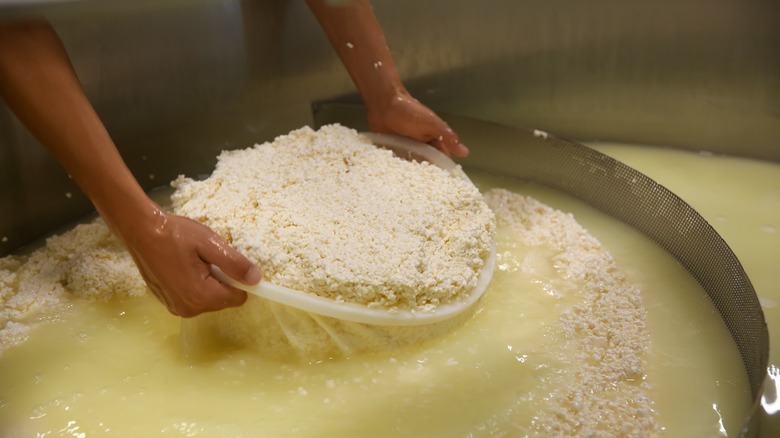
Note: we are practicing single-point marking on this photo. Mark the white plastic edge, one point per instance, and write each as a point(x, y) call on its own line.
point(360, 313)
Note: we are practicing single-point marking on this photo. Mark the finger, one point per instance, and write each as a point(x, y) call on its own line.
point(214, 296)
point(447, 141)
point(215, 251)
point(450, 148)
point(208, 295)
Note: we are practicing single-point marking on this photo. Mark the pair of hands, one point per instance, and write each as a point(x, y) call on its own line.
point(174, 254)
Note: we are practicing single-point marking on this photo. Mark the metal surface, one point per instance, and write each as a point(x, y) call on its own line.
point(627, 195)
point(177, 81)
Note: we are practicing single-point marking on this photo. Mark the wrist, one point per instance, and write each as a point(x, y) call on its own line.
point(130, 213)
point(381, 100)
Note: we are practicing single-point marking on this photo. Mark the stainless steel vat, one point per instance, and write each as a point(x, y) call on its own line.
point(175, 82)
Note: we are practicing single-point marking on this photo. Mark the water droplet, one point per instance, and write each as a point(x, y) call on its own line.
point(767, 303)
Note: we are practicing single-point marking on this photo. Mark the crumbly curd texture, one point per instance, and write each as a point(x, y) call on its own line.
point(329, 213)
point(87, 263)
point(606, 393)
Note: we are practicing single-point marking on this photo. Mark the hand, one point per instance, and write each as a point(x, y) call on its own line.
point(357, 38)
point(405, 115)
point(174, 255)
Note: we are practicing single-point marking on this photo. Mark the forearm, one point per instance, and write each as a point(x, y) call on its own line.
point(173, 254)
point(358, 39)
point(39, 85)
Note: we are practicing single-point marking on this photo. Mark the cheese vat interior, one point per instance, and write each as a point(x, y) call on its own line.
point(175, 82)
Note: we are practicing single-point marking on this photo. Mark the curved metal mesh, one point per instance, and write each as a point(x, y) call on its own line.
point(627, 195)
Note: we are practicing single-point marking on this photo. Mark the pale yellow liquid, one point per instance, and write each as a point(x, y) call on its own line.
point(740, 198)
point(116, 369)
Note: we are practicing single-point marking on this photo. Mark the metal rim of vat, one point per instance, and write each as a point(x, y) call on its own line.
point(629, 196)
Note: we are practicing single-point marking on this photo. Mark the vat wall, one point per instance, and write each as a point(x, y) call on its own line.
point(176, 81)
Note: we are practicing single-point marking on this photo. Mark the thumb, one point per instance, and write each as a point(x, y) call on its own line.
point(216, 252)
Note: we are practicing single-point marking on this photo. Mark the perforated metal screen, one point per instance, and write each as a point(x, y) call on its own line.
point(625, 194)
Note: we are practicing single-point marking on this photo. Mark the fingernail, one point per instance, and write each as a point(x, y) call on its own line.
point(253, 275)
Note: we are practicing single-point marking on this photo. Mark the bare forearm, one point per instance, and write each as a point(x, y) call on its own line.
point(355, 34)
point(173, 254)
point(39, 85)
point(358, 39)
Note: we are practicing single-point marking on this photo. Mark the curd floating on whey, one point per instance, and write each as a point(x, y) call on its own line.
point(329, 213)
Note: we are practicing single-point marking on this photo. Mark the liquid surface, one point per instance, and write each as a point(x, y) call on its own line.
point(116, 368)
point(740, 198)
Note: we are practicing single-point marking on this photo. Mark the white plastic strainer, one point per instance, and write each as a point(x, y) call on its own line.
point(407, 149)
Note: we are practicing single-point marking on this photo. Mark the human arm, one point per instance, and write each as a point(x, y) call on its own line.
point(173, 253)
point(355, 34)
